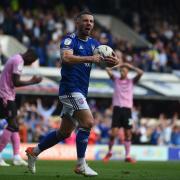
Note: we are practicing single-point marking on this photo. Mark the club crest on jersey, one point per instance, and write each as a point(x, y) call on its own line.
point(81, 101)
point(67, 41)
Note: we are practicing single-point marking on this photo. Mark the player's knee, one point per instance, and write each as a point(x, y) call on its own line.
point(69, 118)
point(89, 124)
point(13, 128)
point(113, 134)
point(12, 124)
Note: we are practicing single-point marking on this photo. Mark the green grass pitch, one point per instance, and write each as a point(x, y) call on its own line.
point(114, 170)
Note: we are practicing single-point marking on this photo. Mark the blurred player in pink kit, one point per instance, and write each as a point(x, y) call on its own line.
point(122, 104)
point(9, 79)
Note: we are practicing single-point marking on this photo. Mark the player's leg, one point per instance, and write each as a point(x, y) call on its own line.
point(4, 139)
point(17, 160)
point(116, 124)
point(54, 137)
point(127, 142)
point(48, 141)
point(86, 122)
point(113, 134)
point(127, 124)
point(3, 121)
point(3, 125)
point(13, 128)
point(3, 136)
point(127, 145)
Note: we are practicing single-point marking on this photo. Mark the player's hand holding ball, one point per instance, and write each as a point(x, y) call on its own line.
point(109, 58)
point(97, 58)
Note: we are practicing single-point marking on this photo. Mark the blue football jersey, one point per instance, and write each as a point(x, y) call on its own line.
point(75, 77)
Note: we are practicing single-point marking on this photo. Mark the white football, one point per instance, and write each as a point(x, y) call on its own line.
point(103, 50)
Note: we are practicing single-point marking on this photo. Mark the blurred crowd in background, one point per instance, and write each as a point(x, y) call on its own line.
point(43, 29)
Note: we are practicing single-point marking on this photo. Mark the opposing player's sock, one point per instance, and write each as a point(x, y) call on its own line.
point(15, 139)
point(81, 144)
point(109, 153)
point(4, 139)
point(110, 145)
point(49, 140)
point(127, 145)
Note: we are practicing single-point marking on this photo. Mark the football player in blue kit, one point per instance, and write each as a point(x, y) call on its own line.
point(77, 58)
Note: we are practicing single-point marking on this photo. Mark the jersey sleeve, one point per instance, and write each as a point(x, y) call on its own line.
point(67, 44)
point(17, 66)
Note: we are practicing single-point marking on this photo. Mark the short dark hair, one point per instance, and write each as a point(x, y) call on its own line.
point(83, 13)
point(31, 52)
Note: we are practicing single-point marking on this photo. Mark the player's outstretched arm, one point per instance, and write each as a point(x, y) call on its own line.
point(119, 65)
point(110, 73)
point(69, 58)
point(139, 74)
point(18, 82)
point(137, 70)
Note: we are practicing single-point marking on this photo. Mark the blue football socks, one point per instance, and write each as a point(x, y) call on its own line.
point(49, 140)
point(81, 142)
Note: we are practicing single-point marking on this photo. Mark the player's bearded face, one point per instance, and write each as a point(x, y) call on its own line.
point(86, 24)
point(124, 72)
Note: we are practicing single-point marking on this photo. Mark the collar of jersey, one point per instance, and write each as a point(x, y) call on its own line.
point(83, 39)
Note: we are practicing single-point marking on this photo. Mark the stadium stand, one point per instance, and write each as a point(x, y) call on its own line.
point(43, 28)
